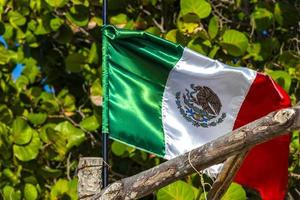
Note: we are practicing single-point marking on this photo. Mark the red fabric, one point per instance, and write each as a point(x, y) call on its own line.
point(266, 165)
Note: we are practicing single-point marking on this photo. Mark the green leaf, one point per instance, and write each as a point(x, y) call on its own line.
point(119, 20)
point(31, 25)
point(20, 34)
point(176, 36)
point(64, 189)
point(30, 192)
point(75, 62)
point(254, 51)
point(9, 193)
point(130, 24)
point(6, 114)
point(234, 42)
point(118, 148)
point(16, 19)
point(286, 14)
point(72, 191)
point(21, 83)
point(188, 24)
point(261, 51)
point(36, 5)
point(200, 7)
point(9, 31)
point(30, 151)
point(213, 27)
point(31, 70)
point(11, 176)
point(22, 133)
point(58, 142)
point(236, 192)
point(289, 59)
point(48, 172)
point(66, 100)
point(96, 20)
point(30, 179)
point(96, 89)
point(58, 189)
point(295, 142)
point(261, 18)
point(172, 36)
point(6, 55)
point(282, 78)
point(43, 25)
point(31, 39)
point(37, 118)
point(96, 93)
point(5, 142)
point(153, 30)
point(74, 136)
point(49, 105)
point(214, 51)
point(43, 131)
point(152, 2)
point(3, 129)
point(90, 123)
point(56, 23)
point(178, 190)
point(78, 15)
point(57, 3)
point(200, 46)
point(93, 54)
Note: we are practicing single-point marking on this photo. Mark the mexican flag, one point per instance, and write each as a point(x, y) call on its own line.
point(166, 99)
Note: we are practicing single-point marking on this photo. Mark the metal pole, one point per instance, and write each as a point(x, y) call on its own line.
point(104, 12)
point(105, 141)
point(105, 159)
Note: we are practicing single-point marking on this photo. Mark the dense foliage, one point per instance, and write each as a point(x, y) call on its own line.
point(50, 108)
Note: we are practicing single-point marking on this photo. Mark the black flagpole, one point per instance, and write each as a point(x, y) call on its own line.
point(104, 135)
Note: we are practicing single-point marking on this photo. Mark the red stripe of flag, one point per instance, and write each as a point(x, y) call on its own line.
point(266, 165)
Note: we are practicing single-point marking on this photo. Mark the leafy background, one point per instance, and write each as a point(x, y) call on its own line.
point(50, 75)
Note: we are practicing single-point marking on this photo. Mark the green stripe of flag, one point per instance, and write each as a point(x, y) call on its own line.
point(138, 65)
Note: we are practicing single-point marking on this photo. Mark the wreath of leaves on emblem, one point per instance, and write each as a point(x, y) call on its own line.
point(189, 110)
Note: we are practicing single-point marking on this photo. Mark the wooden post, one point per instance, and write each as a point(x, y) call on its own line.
point(89, 177)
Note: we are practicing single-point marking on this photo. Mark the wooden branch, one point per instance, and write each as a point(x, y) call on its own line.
point(89, 177)
point(224, 179)
point(259, 131)
point(295, 176)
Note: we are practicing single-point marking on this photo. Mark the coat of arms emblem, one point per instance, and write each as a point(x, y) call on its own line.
point(200, 105)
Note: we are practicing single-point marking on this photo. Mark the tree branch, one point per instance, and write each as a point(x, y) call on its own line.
point(224, 179)
point(242, 139)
